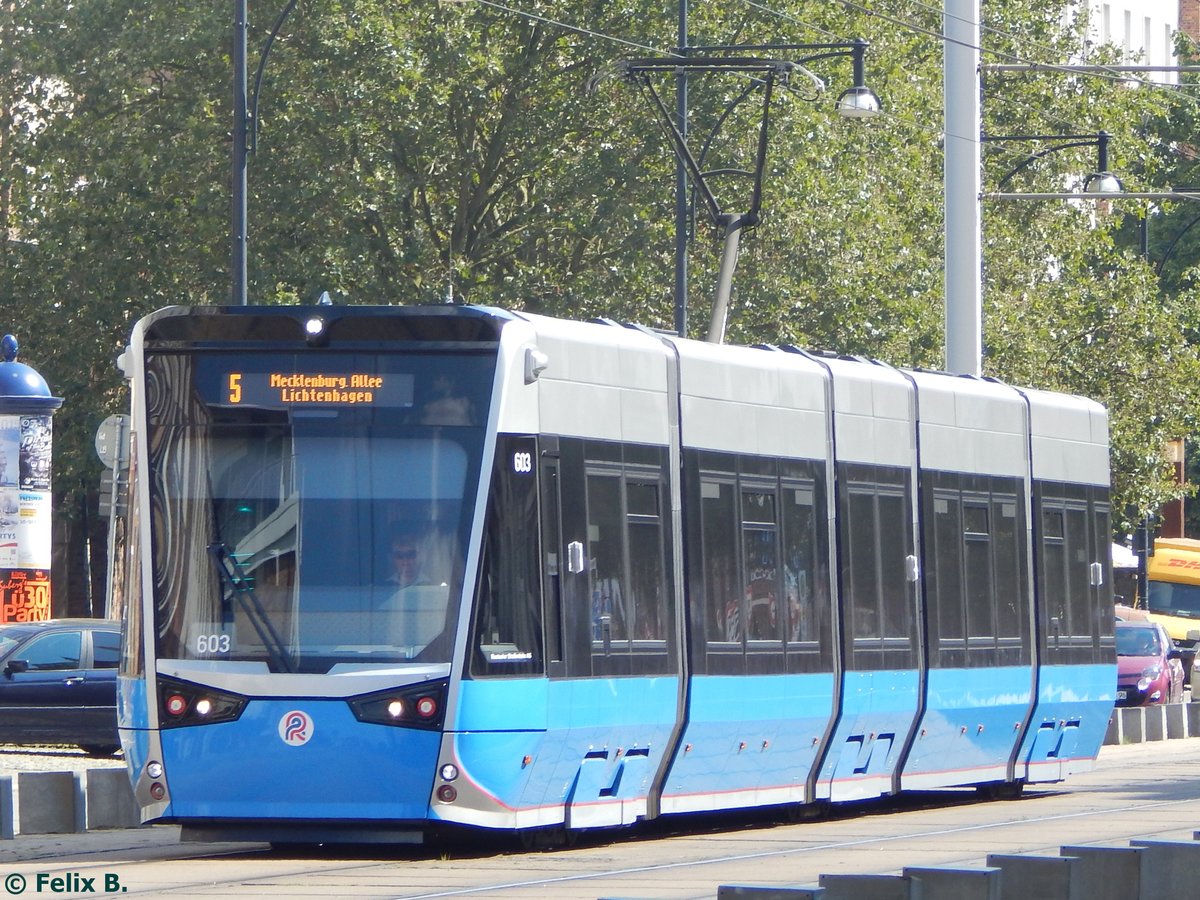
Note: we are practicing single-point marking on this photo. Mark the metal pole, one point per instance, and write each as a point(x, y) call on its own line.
point(238, 216)
point(964, 248)
point(729, 258)
point(681, 183)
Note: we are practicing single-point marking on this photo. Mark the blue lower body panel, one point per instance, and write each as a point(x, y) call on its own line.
point(346, 769)
point(749, 741)
point(878, 709)
point(1068, 726)
point(585, 755)
point(971, 725)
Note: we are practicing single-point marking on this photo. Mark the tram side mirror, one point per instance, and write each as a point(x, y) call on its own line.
point(535, 364)
point(575, 563)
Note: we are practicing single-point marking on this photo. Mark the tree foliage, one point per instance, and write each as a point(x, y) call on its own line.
point(410, 151)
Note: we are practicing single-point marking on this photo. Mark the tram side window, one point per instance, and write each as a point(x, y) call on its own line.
point(977, 542)
point(975, 584)
point(806, 575)
point(1054, 572)
point(1077, 605)
point(1012, 594)
point(876, 539)
point(647, 581)
point(719, 543)
point(1064, 589)
point(507, 632)
point(1102, 537)
point(764, 566)
point(626, 551)
point(760, 542)
point(944, 580)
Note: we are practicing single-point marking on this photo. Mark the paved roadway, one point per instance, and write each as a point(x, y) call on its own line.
point(1136, 791)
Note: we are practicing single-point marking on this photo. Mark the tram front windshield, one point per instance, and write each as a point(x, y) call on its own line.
point(311, 514)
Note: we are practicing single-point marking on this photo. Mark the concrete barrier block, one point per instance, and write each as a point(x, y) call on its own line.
point(1106, 873)
point(8, 817)
point(768, 892)
point(937, 883)
point(1133, 724)
point(1036, 877)
point(1168, 868)
point(1156, 722)
point(1193, 717)
point(49, 803)
point(866, 887)
point(1113, 734)
point(1177, 723)
point(109, 800)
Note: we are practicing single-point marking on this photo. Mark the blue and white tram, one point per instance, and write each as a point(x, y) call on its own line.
point(389, 568)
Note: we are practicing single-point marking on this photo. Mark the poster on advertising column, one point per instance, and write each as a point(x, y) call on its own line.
point(26, 533)
point(36, 439)
point(10, 502)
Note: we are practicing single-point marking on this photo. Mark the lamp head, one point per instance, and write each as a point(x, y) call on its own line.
point(858, 102)
point(1103, 183)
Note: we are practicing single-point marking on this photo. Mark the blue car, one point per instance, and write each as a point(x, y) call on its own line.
point(58, 683)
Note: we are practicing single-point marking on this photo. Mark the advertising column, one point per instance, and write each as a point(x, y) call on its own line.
point(26, 531)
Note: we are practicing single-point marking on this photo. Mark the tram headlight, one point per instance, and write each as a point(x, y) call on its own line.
point(314, 330)
point(154, 769)
point(449, 772)
point(191, 704)
point(415, 706)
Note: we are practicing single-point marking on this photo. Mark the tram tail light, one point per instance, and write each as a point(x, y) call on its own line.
point(191, 704)
point(415, 706)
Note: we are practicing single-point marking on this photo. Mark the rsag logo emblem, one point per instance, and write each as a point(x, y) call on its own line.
point(295, 728)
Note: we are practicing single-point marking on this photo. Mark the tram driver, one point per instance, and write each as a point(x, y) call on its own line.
point(413, 602)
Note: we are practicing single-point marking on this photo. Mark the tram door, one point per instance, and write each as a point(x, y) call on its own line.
point(612, 660)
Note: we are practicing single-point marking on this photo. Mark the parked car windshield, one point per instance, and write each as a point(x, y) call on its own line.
point(1138, 642)
point(8, 640)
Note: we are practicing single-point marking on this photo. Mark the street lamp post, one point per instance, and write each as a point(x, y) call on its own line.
point(858, 101)
point(245, 138)
point(1101, 181)
point(238, 215)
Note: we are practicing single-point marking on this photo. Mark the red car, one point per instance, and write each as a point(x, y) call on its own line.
point(1149, 669)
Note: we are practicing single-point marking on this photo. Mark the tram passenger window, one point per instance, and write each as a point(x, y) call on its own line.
point(894, 526)
point(1054, 574)
point(1077, 573)
point(1011, 603)
point(978, 566)
point(720, 561)
point(761, 574)
point(802, 585)
point(646, 562)
point(945, 581)
point(860, 567)
point(606, 560)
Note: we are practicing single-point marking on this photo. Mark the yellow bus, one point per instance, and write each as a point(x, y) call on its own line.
point(1173, 592)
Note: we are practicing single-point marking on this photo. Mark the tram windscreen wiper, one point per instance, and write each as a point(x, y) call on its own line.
point(242, 587)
